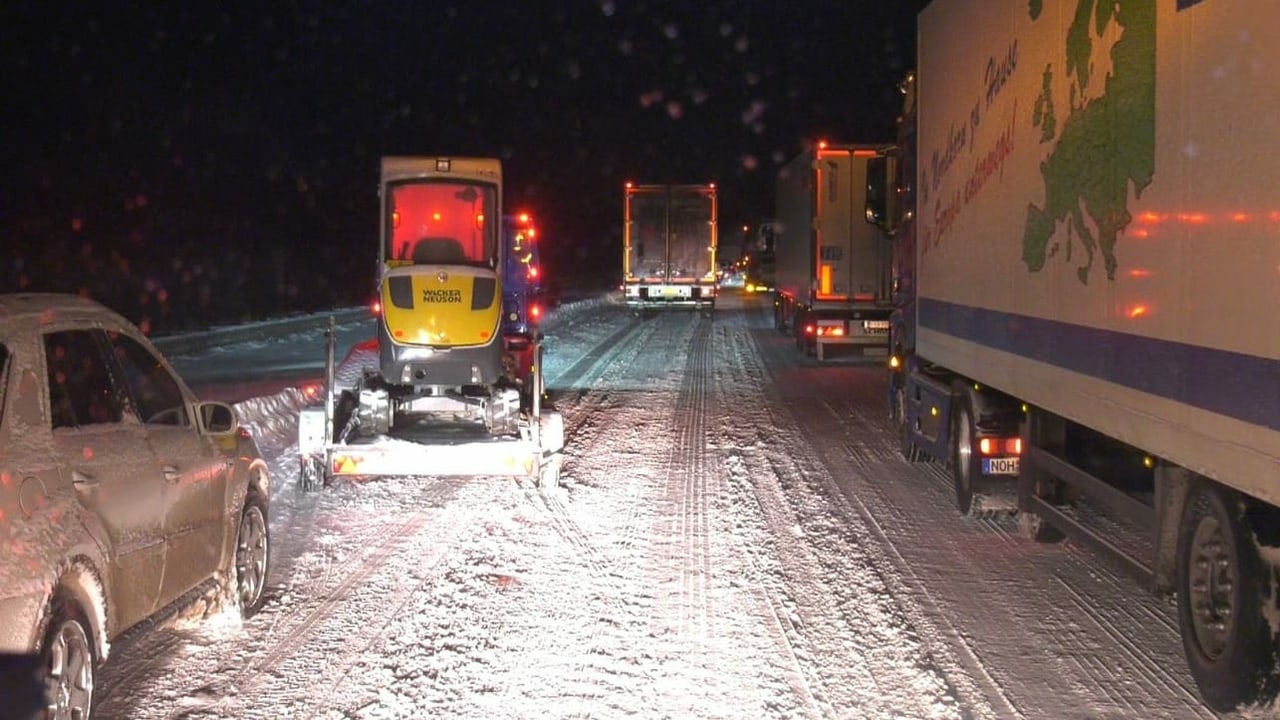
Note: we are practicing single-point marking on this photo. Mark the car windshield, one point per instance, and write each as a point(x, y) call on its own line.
point(435, 222)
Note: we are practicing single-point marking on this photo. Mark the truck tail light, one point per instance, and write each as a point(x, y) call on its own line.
point(1000, 446)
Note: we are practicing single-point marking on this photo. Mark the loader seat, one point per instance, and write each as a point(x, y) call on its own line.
point(438, 251)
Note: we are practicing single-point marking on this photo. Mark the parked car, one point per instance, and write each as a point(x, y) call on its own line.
point(120, 492)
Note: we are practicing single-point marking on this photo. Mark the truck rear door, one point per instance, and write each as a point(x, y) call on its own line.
point(853, 255)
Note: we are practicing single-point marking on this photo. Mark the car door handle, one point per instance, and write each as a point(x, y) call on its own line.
point(171, 474)
point(83, 480)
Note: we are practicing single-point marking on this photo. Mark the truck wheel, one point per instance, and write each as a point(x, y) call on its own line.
point(1222, 587)
point(909, 449)
point(963, 460)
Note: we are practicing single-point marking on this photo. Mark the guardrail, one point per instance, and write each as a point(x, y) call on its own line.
point(265, 330)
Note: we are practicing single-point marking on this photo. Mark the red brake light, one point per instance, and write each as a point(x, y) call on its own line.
point(533, 271)
point(1000, 446)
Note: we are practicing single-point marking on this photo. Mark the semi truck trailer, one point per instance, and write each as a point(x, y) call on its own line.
point(669, 247)
point(1086, 228)
point(831, 267)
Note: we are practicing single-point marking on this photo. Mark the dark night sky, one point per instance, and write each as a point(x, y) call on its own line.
point(147, 128)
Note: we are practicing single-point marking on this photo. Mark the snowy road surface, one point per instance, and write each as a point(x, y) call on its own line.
point(736, 537)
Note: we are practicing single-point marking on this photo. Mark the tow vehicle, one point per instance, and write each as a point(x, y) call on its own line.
point(521, 294)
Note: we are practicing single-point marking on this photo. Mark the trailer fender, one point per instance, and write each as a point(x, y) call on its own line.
point(1172, 486)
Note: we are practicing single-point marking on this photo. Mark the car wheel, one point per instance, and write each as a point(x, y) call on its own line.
point(1223, 590)
point(253, 555)
point(67, 656)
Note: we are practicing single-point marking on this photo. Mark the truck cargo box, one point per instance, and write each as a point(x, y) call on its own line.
point(1098, 229)
point(831, 266)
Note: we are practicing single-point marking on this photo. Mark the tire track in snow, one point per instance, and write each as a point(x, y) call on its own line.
point(300, 625)
point(353, 573)
point(585, 416)
point(1113, 676)
point(1024, 612)
point(684, 564)
point(395, 541)
point(862, 583)
point(742, 382)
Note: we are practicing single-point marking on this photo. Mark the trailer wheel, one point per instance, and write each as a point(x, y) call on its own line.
point(1222, 587)
point(549, 472)
point(311, 472)
point(908, 448)
point(343, 409)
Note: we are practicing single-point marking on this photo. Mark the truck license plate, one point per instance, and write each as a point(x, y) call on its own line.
point(1000, 466)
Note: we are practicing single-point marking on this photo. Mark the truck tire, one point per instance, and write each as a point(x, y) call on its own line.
point(964, 461)
point(1223, 595)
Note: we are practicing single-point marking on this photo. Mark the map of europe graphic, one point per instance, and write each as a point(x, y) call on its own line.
point(1105, 143)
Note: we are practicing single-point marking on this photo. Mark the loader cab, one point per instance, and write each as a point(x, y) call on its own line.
point(440, 285)
point(441, 222)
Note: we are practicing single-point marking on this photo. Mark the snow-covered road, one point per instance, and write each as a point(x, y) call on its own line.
point(736, 537)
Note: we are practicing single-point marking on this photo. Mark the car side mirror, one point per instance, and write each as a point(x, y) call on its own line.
point(217, 418)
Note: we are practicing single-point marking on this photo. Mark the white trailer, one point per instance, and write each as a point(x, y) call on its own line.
point(1087, 222)
point(669, 247)
point(831, 267)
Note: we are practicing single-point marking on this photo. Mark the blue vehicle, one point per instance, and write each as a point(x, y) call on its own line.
point(521, 290)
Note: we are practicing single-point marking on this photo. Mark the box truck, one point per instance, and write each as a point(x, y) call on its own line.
point(1085, 218)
